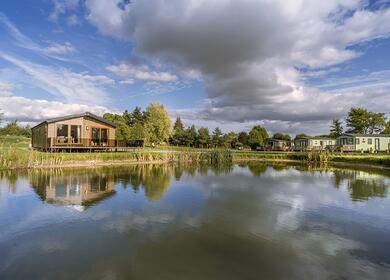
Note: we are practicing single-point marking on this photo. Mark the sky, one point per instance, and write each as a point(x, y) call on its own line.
point(290, 65)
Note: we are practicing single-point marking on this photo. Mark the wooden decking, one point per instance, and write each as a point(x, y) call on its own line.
point(89, 145)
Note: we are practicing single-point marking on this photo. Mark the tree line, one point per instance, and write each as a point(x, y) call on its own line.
point(153, 126)
point(361, 121)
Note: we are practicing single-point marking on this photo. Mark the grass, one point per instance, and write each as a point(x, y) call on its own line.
point(14, 153)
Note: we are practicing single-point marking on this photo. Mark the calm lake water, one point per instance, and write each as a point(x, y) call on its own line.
point(251, 221)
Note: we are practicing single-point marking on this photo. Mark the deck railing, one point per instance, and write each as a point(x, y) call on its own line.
point(63, 142)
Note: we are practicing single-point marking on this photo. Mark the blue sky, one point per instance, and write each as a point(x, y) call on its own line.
point(291, 66)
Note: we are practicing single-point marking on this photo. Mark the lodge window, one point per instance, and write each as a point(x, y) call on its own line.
point(369, 141)
point(75, 133)
point(357, 141)
point(62, 133)
point(99, 136)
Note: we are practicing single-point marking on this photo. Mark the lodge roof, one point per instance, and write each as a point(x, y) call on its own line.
point(74, 116)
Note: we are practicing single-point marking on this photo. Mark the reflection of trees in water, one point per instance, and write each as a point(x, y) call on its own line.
point(361, 185)
point(257, 169)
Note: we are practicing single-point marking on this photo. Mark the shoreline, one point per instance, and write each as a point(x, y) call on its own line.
point(108, 163)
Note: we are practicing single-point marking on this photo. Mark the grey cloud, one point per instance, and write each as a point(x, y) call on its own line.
point(247, 51)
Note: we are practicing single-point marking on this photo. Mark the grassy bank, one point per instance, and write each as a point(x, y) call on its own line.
point(14, 154)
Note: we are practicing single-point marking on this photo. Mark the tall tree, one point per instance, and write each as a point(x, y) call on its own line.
point(190, 136)
point(158, 123)
point(336, 129)
point(217, 137)
point(257, 136)
point(360, 120)
point(203, 137)
point(178, 124)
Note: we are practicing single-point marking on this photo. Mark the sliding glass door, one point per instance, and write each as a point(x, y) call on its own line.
point(99, 136)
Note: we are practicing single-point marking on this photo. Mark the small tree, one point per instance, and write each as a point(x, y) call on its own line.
point(336, 129)
point(158, 123)
point(203, 139)
point(217, 137)
point(243, 138)
point(257, 137)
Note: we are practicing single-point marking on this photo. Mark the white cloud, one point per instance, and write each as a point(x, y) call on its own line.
point(54, 50)
point(4, 86)
point(60, 49)
point(141, 72)
point(37, 110)
point(67, 85)
point(127, 82)
point(247, 52)
point(33, 110)
point(73, 20)
point(60, 7)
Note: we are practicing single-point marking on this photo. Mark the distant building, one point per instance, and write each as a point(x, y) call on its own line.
point(317, 143)
point(277, 145)
point(364, 142)
point(81, 131)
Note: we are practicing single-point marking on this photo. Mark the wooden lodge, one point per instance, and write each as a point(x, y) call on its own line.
point(278, 145)
point(78, 132)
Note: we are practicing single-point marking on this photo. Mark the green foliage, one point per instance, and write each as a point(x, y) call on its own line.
point(281, 136)
point(13, 128)
point(243, 138)
point(178, 125)
point(360, 120)
point(257, 137)
point(217, 137)
point(387, 129)
point(230, 140)
point(158, 123)
point(122, 131)
point(336, 129)
point(301, 135)
point(203, 139)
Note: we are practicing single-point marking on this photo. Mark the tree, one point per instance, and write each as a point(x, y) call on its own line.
point(178, 124)
point(230, 139)
point(203, 139)
point(336, 129)
point(190, 136)
point(257, 137)
point(158, 124)
point(122, 131)
point(281, 136)
point(13, 128)
point(387, 128)
point(360, 120)
point(376, 123)
point(243, 138)
point(301, 135)
point(217, 137)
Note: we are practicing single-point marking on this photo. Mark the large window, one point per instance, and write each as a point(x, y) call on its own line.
point(96, 136)
point(75, 133)
point(99, 136)
point(357, 141)
point(62, 133)
point(104, 134)
point(369, 141)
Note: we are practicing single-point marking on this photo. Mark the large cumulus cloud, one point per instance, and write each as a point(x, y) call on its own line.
point(248, 52)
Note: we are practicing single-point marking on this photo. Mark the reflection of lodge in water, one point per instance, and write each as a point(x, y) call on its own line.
point(77, 190)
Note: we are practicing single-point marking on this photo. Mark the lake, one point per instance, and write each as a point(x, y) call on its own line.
point(249, 221)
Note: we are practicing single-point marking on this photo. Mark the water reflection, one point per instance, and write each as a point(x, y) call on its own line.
point(183, 221)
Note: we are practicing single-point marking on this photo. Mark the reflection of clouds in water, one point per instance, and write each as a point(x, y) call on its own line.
point(53, 245)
